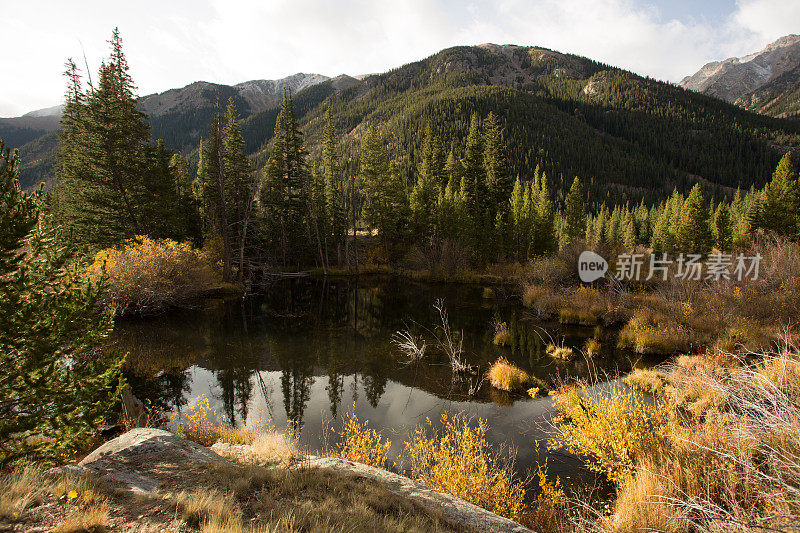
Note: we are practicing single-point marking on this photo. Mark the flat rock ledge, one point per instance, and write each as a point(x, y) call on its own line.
point(123, 458)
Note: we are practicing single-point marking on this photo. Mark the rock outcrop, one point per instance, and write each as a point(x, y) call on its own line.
point(129, 460)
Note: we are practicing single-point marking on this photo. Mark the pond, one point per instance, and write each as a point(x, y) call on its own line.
point(312, 349)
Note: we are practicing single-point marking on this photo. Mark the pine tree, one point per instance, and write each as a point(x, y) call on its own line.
point(433, 166)
point(286, 188)
point(574, 213)
point(630, 235)
point(112, 181)
point(334, 188)
point(781, 199)
point(386, 204)
point(474, 176)
point(57, 384)
point(723, 230)
point(452, 170)
point(694, 233)
point(543, 238)
point(498, 180)
point(211, 175)
point(239, 185)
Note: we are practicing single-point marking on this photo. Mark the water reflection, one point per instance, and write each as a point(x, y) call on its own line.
point(318, 348)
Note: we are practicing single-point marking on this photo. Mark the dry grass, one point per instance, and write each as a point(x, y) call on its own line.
point(275, 448)
point(229, 497)
point(207, 507)
point(508, 377)
point(93, 519)
point(19, 490)
point(650, 382)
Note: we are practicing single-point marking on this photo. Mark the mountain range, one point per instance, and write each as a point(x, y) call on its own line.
point(767, 81)
point(626, 135)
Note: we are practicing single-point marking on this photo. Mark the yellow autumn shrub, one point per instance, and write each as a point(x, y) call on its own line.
point(457, 459)
point(360, 444)
point(610, 429)
point(147, 276)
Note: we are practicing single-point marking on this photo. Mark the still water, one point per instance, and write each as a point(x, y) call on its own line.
point(310, 350)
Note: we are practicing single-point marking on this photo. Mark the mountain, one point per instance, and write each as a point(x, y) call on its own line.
point(628, 137)
point(179, 116)
point(625, 135)
point(767, 81)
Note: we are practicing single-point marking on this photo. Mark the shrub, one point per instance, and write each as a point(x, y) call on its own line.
point(538, 298)
point(202, 424)
point(488, 293)
point(147, 276)
point(733, 469)
point(360, 444)
point(611, 430)
point(508, 377)
point(458, 460)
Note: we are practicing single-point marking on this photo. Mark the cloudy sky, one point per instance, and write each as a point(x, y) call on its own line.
point(171, 43)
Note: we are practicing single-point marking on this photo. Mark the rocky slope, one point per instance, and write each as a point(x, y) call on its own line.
point(767, 81)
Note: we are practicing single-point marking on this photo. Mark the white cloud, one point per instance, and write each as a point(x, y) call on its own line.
point(171, 44)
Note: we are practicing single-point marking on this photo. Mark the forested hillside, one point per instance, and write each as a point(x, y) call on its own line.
point(621, 133)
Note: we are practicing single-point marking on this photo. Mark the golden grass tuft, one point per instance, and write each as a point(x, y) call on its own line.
point(502, 335)
point(275, 447)
point(650, 382)
point(508, 377)
point(565, 353)
point(207, 507)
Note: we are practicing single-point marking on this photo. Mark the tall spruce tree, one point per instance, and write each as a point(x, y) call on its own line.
point(286, 186)
point(239, 182)
point(543, 230)
point(780, 200)
point(723, 228)
point(498, 180)
point(113, 183)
